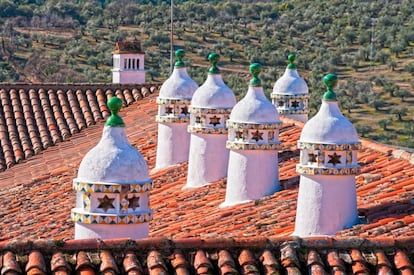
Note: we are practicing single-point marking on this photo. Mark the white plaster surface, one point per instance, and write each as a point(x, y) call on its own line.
point(251, 175)
point(326, 205)
point(214, 93)
point(113, 159)
point(329, 126)
point(128, 77)
point(179, 85)
point(110, 231)
point(208, 159)
point(255, 108)
point(301, 117)
point(290, 83)
point(173, 144)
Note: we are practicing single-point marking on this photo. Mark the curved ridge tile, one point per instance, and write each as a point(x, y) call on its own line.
point(84, 265)
point(59, 265)
point(93, 105)
point(49, 117)
point(335, 263)
point(84, 106)
point(270, 264)
point(76, 110)
point(179, 263)
point(248, 262)
point(202, 264)
point(402, 263)
point(136, 94)
point(226, 263)
point(289, 259)
point(59, 117)
point(131, 264)
point(33, 141)
point(315, 263)
point(22, 147)
point(101, 98)
point(36, 264)
point(383, 264)
point(120, 95)
point(155, 263)
point(108, 264)
point(22, 125)
point(39, 119)
point(10, 264)
point(5, 135)
point(128, 97)
point(67, 113)
point(359, 264)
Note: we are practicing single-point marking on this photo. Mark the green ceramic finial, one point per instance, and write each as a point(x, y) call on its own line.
point(330, 81)
point(114, 105)
point(255, 70)
point(179, 54)
point(214, 58)
point(291, 58)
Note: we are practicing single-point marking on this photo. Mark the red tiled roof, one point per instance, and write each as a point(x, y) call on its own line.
point(36, 194)
point(34, 117)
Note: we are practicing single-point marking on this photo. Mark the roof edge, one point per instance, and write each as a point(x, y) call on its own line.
point(319, 242)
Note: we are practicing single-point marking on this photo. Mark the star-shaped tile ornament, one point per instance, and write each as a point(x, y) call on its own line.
point(198, 119)
point(106, 203)
point(239, 134)
point(184, 110)
point(257, 135)
point(312, 157)
point(281, 103)
point(295, 104)
point(168, 110)
point(133, 202)
point(215, 120)
point(334, 159)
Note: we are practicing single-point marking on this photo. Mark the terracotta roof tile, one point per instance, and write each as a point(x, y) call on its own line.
point(35, 117)
point(131, 264)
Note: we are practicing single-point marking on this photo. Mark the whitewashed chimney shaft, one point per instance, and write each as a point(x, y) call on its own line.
point(128, 63)
point(290, 94)
point(210, 108)
point(327, 167)
point(112, 187)
point(173, 116)
point(253, 141)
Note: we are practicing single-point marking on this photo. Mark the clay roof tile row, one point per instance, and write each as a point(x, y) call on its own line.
point(35, 117)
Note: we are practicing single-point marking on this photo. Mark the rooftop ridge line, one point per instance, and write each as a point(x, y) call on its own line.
point(318, 242)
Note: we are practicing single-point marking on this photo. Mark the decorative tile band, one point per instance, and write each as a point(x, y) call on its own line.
point(166, 119)
point(112, 187)
point(232, 145)
point(289, 96)
point(329, 147)
point(98, 218)
point(345, 171)
point(259, 126)
point(292, 111)
point(206, 130)
point(208, 111)
point(173, 101)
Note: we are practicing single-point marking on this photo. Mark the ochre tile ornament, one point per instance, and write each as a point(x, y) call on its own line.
point(328, 164)
point(174, 116)
point(253, 141)
point(210, 109)
point(112, 186)
point(290, 93)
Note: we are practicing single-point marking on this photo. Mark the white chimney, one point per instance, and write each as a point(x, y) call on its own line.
point(253, 141)
point(328, 165)
point(173, 116)
point(128, 63)
point(210, 108)
point(290, 94)
point(112, 187)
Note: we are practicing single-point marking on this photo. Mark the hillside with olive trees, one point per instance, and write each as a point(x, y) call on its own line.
point(369, 44)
